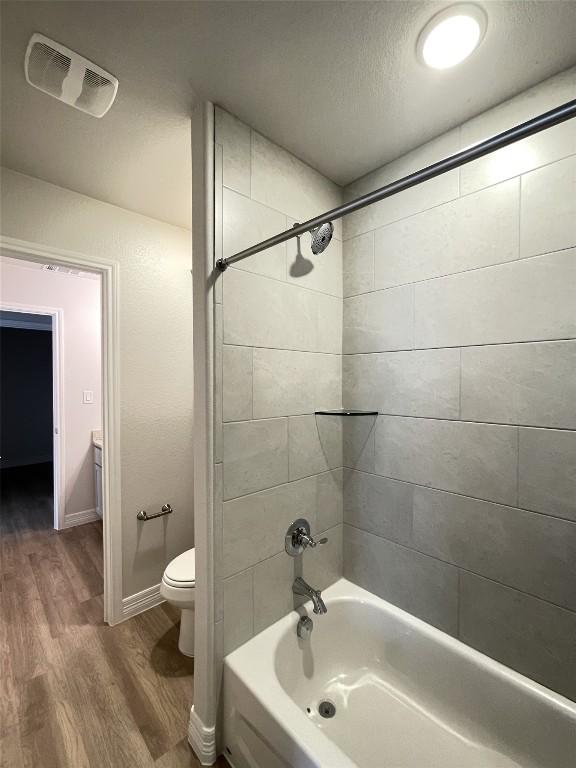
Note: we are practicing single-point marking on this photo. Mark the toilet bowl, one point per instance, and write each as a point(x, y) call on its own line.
point(177, 587)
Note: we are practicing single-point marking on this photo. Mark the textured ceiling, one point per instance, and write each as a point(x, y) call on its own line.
point(336, 83)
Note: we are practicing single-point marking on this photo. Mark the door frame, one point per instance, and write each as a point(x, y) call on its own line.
point(58, 431)
point(111, 477)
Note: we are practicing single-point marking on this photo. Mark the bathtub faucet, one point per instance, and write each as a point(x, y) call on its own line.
point(300, 587)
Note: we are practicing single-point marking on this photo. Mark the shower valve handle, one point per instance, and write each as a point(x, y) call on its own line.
point(308, 541)
point(298, 538)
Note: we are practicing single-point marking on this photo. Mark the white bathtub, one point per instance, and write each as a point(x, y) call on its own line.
point(406, 696)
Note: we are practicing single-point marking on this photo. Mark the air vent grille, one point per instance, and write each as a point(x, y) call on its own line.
point(94, 80)
point(58, 71)
point(48, 68)
point(97, 91)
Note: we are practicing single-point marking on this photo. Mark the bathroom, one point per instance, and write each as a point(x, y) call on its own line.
point(351, 539)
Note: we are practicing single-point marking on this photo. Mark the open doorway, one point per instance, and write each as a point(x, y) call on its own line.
point(52, 421)
point(27, 421)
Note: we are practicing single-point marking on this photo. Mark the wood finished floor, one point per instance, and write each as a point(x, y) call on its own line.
point(73, 691)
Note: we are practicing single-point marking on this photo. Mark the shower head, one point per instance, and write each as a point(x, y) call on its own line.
point(321, 237)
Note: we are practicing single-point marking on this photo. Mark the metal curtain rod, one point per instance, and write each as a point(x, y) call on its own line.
point(542, 122)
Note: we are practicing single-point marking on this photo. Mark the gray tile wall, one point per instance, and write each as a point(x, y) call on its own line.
point(460, 329)
point(277, 360)
point(449, 309)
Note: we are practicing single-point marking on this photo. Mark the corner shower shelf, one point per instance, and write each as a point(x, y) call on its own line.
point(343, 412)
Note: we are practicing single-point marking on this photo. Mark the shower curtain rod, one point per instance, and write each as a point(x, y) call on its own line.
point(530, 127)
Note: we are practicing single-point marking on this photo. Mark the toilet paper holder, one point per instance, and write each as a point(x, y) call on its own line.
point(166, 510)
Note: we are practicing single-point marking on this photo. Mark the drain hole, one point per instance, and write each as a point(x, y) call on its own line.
point(326, 709)
point(308, 710)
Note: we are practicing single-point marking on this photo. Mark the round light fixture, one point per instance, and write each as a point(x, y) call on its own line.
point(451, 35)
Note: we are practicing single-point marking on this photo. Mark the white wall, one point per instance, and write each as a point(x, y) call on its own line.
point(155, 354)
point(79, 300)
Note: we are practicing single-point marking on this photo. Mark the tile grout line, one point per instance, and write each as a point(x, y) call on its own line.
point(252, 590)
point(519, 257)
point(283, 485)
point(253, 378)
point(461, 196)
point(458, 603)
point(373, 257)
point(253, 566)
point(480, 268)
point(460, 167)
point(250, 162)
point(408, 416)
point(269, 207)
point(518, 467)
point(462, 569)
point(283, 349)
point(460, 388)
point(569, 339)
point(288, 442)
point(286, 282)
point(463, 495)
point(456, 346)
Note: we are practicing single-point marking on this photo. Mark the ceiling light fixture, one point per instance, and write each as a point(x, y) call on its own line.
point(451, 35)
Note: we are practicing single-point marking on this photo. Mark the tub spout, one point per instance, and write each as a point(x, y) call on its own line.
point(300, 587)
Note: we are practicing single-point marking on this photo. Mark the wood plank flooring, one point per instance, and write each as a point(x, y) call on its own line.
point(75, 693)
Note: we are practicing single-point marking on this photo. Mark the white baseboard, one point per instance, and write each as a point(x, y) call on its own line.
point(80, 518)
point(141, 601)
point(202, 739)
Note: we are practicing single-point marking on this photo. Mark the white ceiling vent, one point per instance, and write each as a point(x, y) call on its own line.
point(58, 71)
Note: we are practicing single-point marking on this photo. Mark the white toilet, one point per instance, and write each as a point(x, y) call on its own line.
point(178, 585)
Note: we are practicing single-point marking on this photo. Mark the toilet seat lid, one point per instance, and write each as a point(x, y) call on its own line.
point(181, 572)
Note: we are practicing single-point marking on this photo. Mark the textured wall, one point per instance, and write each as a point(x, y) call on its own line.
point(155, 354)
point(79, 300)
point(460, 329)
point(278, 358)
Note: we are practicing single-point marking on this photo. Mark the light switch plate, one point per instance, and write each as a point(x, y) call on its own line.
point(87, 396)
